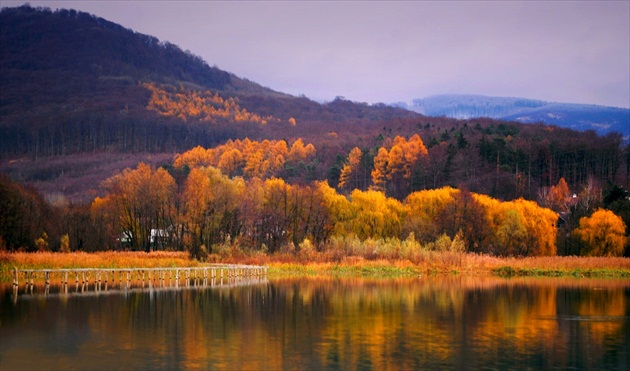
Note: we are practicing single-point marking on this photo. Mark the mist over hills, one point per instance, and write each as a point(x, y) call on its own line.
point(581, 117)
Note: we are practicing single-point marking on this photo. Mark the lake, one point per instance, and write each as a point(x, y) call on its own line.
point(441, 322)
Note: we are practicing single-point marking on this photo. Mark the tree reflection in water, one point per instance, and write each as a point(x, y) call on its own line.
point(434, 322)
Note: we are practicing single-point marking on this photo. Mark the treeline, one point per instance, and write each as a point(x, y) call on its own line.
point(88, 133)
point(502, 159)
point(146, 209)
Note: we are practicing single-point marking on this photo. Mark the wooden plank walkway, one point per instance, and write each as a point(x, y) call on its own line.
point(106, 275)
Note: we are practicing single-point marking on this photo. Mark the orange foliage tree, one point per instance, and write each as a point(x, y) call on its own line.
point(139, 206)
point(200, 106)
point(394, 169)
point(210, 209)
point(557, 198)
point(349, 178)
point(251, 159)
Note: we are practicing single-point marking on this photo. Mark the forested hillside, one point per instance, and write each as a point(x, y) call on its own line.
point(73, 82)
point(84, 101)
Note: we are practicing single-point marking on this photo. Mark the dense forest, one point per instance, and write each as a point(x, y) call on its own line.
point(234, 161)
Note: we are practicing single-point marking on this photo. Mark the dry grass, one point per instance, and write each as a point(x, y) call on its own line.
point(40, 260)
point(310, 263)
point(563, 265)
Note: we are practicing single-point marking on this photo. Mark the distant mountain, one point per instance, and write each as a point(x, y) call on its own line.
point(581, 117)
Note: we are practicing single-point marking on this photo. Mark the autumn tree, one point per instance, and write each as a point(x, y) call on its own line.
point(511, 234)
point(590, 197)
point(486, 224)
point(328, 210)
point(423, 208)
point(379, 174)
point(541, 225)
point(196, 106)
point(415, 153)
point(308, 217)
point(210, 203)
point(467, 215)
point(337, 207)
point(603, 234)
point(398, 187)
point(249, 158)
point(274, 214)
point(557, 198)
point(231, 162)
point(373, 215)
point(394, 169)
point(64, 243)
point(139, 201)
point(349, 178)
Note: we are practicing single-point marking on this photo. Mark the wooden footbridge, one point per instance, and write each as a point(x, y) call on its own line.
point(160, 276)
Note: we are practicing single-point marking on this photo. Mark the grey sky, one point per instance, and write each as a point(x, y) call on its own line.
point(566, 51)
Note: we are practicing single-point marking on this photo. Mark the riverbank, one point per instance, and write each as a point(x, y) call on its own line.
point(290, 265)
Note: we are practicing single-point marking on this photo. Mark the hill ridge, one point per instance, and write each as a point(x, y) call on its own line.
point(602, 119)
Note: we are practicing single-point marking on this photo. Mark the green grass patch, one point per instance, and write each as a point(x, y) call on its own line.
point(340, 270)
point(508, 271)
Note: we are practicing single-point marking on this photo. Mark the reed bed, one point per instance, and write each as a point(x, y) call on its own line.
point(308, 262)
point(110, 259)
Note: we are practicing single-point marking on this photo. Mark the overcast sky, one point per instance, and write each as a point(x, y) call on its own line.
point(565, 51)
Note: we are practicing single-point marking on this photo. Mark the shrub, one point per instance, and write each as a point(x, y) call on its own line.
point(64, 243)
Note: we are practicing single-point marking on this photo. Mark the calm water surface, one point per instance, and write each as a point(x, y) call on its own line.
point(420, 323)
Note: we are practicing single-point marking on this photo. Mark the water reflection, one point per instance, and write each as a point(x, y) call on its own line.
point(443, 322)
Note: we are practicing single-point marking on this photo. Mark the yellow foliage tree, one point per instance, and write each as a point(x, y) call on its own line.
point(603, 234)
point(540, 224)
point(300, 152)
point(374, 215)
point(423, 209)
point(64, 243)
point(337, 206)
point(518, 227)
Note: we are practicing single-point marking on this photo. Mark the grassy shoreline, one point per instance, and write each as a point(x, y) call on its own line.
point(290, 265)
